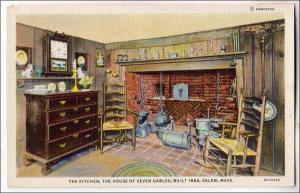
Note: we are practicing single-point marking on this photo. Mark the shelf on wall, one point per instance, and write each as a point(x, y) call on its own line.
point(185, 59)
point(46, 78)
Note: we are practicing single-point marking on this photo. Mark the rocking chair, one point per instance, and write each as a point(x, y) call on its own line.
point(227, 153)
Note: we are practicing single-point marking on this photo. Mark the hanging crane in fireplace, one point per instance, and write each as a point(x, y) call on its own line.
point(161, 122)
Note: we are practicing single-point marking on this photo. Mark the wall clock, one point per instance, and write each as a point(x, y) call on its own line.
point(59, 49)
point(57, 54)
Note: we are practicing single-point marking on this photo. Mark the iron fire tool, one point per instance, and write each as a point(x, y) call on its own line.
point(178, 139)
point(143, 128)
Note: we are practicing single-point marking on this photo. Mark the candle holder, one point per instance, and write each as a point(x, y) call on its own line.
point(75, 88)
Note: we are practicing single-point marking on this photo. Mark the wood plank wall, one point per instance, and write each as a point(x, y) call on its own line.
point(28, 36)
point(273, 139)
point(273, 135)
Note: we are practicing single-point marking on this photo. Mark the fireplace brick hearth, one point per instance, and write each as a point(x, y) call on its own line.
point(202, 88)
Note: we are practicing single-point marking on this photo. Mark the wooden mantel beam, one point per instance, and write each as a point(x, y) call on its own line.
point(205, 65)
point(182, 64)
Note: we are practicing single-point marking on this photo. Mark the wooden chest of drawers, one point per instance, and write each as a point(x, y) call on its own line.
point(58, 124)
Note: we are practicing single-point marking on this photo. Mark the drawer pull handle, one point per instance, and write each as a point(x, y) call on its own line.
point(87, 109)
point(75, 135)
point(87, 136)
point(75, 109)
point(63, 128)
point(62, 114)
point(87, 98)
point(75, 121)
point(62, 102)
point(87, 121)
point(62, 145)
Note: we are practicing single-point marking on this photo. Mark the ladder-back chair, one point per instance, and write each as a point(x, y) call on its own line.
point(227, 153)
point(113, 118)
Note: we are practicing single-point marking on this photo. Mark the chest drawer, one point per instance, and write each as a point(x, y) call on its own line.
point(72, 142)
point(61, 115)
point(88, 122)
point(62, 102)
point(88, 137)
point(87, 99)
point(62, 130)
point(87, 110)
point(63, 146)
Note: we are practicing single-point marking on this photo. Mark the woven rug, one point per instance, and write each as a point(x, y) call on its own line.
point(147, 169)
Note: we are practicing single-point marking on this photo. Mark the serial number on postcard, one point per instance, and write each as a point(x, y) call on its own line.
point(271, 180)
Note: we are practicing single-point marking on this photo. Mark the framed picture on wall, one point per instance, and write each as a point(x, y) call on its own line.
point(81, 60)
point(99, 58)
point(23, 57)
point(58, 54)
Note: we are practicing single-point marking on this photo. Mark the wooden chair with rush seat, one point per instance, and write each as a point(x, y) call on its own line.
point(227, 153)
point(113, 117)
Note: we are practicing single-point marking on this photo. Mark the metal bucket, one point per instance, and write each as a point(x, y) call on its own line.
point(176, 139)
point(203, 124)
point(204, 128)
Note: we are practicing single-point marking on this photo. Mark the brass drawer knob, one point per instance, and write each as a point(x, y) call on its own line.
point(62, 102)
point(87, 121)
point(62, 114)
point(75, 135)
point(87, 109)
point(63, 128)
point(87, 98)
point(75, 121)
point(62, 145)
point(87, 136)
point(75, 109)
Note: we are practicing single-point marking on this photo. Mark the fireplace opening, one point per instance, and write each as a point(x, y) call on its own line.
point(186, 94)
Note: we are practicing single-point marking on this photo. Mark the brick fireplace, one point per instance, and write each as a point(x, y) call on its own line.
point(202, 88)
